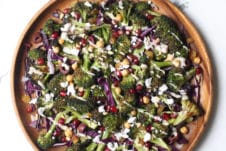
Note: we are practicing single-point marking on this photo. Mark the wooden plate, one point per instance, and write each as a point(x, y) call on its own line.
point(165, 7)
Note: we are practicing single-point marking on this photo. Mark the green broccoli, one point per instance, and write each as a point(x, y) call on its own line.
point(50, 27)
point(112, 122)
point(142, 7)
point(81, 106)
point(138, 21)
point(160, 142)
point(104, 32)
point(122, 44)
point(189, 110)
point(45, 140)
point(177, 78)
point(127, 83)
point(167, 30)
point(35, 54)
point(97, 92)
point(142, 73)
point(83, 78)
point(76, 115)
point(85, 11)
point(80, 146)
point(54, 84)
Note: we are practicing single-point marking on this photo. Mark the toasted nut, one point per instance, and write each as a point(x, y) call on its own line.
point(118, 90)
point(100, 44)
point(61, 41)
point(176, 63)
point(125, 62)
point(125, 72)
point(118, 65)
point(138, 125)
point(68, 133)
point(197, 60)
point(127, 125)
point(169, 57)
point(74, 66)
point(75, 139)
point(133, 113)
point(149, 54)
point(189, 40)
point(184, 130)
point(118, 17)
point(56, 49)
point(26, 98)
point(69, 78)
point(146, 100)
point(192, 54)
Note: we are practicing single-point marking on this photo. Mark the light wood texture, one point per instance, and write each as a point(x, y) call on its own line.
point(165, 7)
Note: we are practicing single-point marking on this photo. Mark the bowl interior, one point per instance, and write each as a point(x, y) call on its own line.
point(165, 7)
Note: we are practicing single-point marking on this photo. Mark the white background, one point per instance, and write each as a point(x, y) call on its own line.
point(208, 16)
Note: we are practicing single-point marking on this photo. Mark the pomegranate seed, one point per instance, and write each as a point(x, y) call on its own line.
point(107, 149)
point(107, 108)
point(198, 70)
point(55, 35)
point(128, 32)
point(83, 42)
point(113, 109)
point(173, 115)
point(138, 32)
point(76, 123)
point(116, 83)
point(165, 116)
point(77, 16)
point(136, 60)
point(56, 133)
point(63, 139)
point(40, 61)
point(115, 34)
point(91, 38)
point(30, 108)
point(132, 91)
point(66, 10)
point(102, 128)
point(139, 87)
point(120, 32)
point(63, 93)
point(149, 16)
point(119, 73)
point(148, 145)
point(81, 93)
point(148, 128)
point(61, 121)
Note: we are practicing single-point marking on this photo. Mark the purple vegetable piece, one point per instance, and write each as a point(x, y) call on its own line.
point(104, 83)
point(148, 30)
point(92, 133)
point(31, 87)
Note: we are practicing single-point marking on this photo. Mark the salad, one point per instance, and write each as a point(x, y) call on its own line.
point(110, 76)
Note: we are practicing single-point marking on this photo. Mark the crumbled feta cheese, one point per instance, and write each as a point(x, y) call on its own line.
point(155, 99)
point(88, 4)
point(71, 90)
point(35, 71)
point(101, 109)
point(132, 120)
point(112, 146)
point(120, 4)
point(162, 48)
point(143, 66)
point(71, 51)
point(49, 97)
point(33, 101)
point(66, 27)
point(41, 84)
point(147, 43)
point(148, 82)
point(108, 47)
point(162, 89)
point(147, 137)
point(64, 84)
point(34, 117)
point(169, 101)
point(97, 139)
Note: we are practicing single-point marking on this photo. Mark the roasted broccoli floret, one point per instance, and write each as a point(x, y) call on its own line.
point(142, 73)
point(97, 92)
point(167, 30)
point(83, 79)
point(189, 110)
point(81, 106)
point(86, 12)
point(45, 140)
point(80, 146)
point(138, 21)
point(142, 7)
point(104, 31)
point(112, 122)
point(54, 84)
point(122, 44)
point(35, 54)
point(77, 115)
point(127, 83)
point(177, 78)
point(51, 26)
point(125, 12)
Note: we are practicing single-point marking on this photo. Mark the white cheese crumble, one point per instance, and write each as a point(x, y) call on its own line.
point(64, 84)
point(112, 146)
point(120, 5)
point(169, 101)
point(71, 51)
point(155, 99)
point(162, 48)
point(148, 82)
point(71, 90)
point(162, 89)
point(147, 137)
point(101, 109)
point(35, 71)
point(33, 101)
point(49, 97)
point(88, 4)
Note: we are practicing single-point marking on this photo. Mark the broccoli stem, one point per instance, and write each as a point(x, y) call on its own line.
point(160, 142)
point(89, 123)
point(91, 147)
point(101, 146)
point(162, 64)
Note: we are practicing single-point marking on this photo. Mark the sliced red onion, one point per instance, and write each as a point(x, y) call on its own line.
point(31, 87)
point(146, 31)
point(100, 18)
point(49, 63)
point(92, 133)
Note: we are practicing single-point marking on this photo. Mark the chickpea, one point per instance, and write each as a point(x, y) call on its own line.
point(125, 72)
point(26, 98)
point(125, 62)
point(118, 90)
point(69, 78)
point(100, 44)
point(127, 125)
point(68, 133)
point(61, 41)
point(176, 63)
point(184, 130)
point(133, 113)
point(56, 49)
point(197, 60)
point(118, 18)
point(75, 139)
point(146, 100)
point(74, 66)
point(189, 40)
point(149, 54)
point(192, 54)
